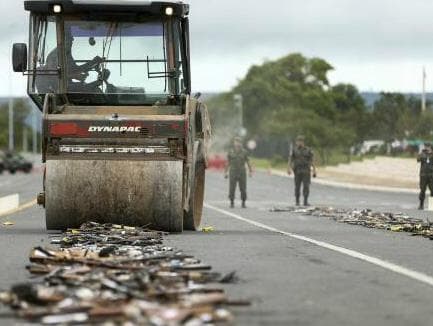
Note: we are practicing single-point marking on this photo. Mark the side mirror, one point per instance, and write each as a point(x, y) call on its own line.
point(19, 57)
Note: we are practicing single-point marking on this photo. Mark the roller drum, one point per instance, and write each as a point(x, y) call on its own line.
point(137, 193)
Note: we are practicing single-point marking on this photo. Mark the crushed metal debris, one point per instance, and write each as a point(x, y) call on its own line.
point(396, 222)
point(124, 275)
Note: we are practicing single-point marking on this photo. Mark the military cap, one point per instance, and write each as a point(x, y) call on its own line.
point(300, 138)
point(427, 144)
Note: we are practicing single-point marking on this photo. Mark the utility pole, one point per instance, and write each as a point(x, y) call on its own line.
point(423, 99)
point(25, 141)
point(35, 133)
point(239, 106)
point(11, 123)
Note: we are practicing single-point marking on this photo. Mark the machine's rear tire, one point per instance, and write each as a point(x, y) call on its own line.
point(193, 217)
point(134, 193)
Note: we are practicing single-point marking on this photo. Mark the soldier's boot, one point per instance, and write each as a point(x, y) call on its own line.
point(421, 204)
point(298, 203)
point(306, 203)
point(232, 204)
point(243, 204)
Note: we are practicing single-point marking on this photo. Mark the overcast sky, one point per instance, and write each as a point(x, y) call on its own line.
point(374, 44)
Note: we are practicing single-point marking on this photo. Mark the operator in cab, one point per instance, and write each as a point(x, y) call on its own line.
point(77, 74)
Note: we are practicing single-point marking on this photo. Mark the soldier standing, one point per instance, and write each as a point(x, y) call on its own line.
point(238, 160)
point(301, 163)
point(426, 173)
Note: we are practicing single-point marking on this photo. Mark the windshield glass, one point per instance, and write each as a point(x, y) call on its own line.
point(44, 58)
point(107, 62)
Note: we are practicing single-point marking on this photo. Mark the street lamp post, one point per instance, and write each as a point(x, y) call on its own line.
point(239, 106)
point(11, 123)
point(25, 140)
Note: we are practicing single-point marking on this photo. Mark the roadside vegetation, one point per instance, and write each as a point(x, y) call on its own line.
point(22, 112)
point(293, 95)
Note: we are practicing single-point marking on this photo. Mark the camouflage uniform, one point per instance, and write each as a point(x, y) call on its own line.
point(426, 176)
point(301, 161)
point(238, 173)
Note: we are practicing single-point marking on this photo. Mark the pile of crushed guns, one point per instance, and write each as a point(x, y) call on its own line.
point(124, 275)
point(396, 222)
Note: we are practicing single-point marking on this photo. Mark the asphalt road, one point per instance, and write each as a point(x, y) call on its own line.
point(296, 270)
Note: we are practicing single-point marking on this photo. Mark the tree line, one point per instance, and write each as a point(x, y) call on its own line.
point(293, 95)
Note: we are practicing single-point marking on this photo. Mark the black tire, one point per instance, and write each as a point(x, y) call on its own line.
point(12, 171)
point(192, 219)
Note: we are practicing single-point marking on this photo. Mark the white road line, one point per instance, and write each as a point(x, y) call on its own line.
point(417, 276)
point(9, 203)
point(20, 208)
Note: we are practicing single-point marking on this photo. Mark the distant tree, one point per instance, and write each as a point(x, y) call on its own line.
point(320, 133)
point(318, 69)
point(424, 127)
point(3, 128)
point(414, 106)
point(352, 111)
point(388, 111)
point(292, 95)
point(293, 80)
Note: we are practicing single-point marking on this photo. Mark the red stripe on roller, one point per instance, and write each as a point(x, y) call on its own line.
point(63, 129)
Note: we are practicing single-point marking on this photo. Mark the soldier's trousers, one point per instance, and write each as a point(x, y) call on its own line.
point(235, 179)
point(302, 179)
point(424, 182)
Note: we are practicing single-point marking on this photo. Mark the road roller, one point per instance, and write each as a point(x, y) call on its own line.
point(123, 139)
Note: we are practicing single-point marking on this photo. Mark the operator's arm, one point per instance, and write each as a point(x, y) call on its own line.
point(74, 71)
point(91, 64)
point(313, 165)
point(290, 166)
point(250, 167)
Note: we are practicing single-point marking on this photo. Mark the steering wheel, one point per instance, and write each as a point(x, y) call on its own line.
point(103, 74)
point(102, 77)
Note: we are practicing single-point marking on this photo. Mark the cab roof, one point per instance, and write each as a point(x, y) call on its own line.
point(180, 9)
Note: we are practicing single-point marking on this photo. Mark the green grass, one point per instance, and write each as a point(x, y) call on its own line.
point(261, 163)
point(334, 158)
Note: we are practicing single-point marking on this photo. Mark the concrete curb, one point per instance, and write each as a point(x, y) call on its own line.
point(346, 185)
